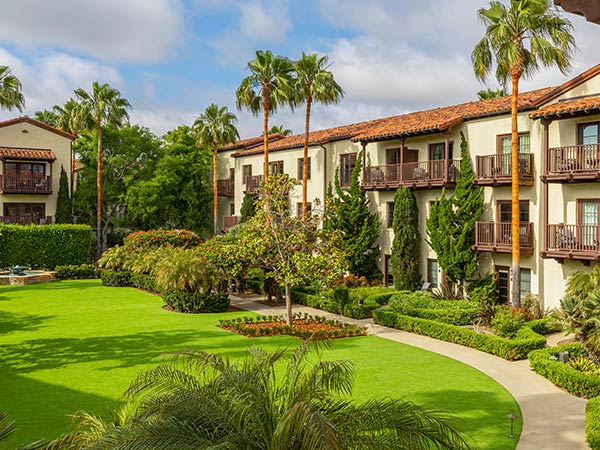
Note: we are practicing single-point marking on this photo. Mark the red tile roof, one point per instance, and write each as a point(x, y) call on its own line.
point(37, 123)
point(77, 165)
point(26, 154)
point(250, 142)
point(568, 108)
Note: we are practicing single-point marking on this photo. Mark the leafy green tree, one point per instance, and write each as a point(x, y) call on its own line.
point(69, 116)
point(348, 213)
point(205, 401)
point(46, 116)
point(407, 240)
point(280, 129)
point(486, 94)
point(215, 128)
point(63, 200)
point(313, 83)
point(451, 224)
point(102, 106)
point(266, 88)
point(522, 37)
point(10, 90)
point(248, 208)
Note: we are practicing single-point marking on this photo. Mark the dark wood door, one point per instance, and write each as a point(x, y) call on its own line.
point(503, 283)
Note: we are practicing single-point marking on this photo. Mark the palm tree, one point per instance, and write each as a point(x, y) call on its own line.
point(202, 401)
point(313, 83)
point(68, 117)
point(486, 94)
point(280, 129)
point(10, 90)
point(266, 88)
point(522, 38)
point(102, 106)
point(215, 127)
point(46, 116)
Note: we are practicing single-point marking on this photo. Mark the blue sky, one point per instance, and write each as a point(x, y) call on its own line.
point(172, 58)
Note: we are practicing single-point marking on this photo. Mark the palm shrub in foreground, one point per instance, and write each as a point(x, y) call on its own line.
point(202, 400)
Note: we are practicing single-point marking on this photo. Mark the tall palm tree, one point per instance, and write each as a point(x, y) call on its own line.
point(103, 105)
point(280, 129)
point(68, 117)
point(204, 401)
point(522, 38)
point(215, 127)
point(313, 83)
point(10, 90)
point(266, 88)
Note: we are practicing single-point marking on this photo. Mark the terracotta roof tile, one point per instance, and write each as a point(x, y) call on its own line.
point(37, 123)
point(26, 153)
point(250, 142)
point(568, 107)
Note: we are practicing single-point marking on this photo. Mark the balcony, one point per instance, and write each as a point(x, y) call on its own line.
point(497, 237)
point(15, 184)
point(253, 182)
point(420, 175)
point(577, 163)
point(581, 242)
point(225, 188)
point(496, 170)
point(26, 220)
point(230, 221)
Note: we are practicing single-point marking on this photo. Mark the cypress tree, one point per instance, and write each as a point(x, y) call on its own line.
point(248, 208)
point(348, 212)
point(63, 202)
point(407, 240)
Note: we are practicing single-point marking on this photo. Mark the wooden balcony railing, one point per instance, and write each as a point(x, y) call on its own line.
point(572, 242)
point(497, 169)
point(26, 220)
point(497, 237)
point(225, 187)
point(14, 184)
point(574, 163)
point(230, 221)
point(253, 182)
point(425, 174)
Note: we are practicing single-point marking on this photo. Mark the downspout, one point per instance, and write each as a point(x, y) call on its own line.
point(545, 144)
point(325, 182)
point(446, 154)
point(363, 144)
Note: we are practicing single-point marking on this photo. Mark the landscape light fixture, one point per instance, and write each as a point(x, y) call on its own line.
point(512, 418)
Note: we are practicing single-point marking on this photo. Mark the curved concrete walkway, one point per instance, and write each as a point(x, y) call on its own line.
point(552, 419)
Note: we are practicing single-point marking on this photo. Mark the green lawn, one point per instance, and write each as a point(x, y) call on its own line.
point(76, 345)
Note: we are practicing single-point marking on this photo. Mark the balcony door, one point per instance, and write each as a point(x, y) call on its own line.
point(437, 153)
point(588, 212)
point(503, 283)
point(589, 139)
point(504, 147)
point(505, 219)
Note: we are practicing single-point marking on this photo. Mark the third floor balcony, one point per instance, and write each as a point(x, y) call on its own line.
point(576, 163)
point(420, 175)
point(497, 237)
point(253, 182)
point(496, 170)
point(225, 187)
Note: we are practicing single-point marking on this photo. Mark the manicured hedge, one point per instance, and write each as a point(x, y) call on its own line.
point(592, 423)
point(422, 305)
point(114, 278)
point(145, 282)
point(160, 238)
point(81, 272)
point(324, 301)
point(196, 302)
point(511, 349)
point(44, 246)
point(563, 375)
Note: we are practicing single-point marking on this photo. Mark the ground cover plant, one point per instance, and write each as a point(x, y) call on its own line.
point(76, 345)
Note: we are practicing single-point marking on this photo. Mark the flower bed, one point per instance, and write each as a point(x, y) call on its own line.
point(304, 326)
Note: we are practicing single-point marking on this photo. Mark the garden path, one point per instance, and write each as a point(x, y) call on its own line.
point(552, 419)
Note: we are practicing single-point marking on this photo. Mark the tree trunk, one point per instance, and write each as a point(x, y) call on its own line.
point(99, 194)
point(215, 191)
point(266, 107)
point(515, 286)
point(305, 161)
point(288, 303)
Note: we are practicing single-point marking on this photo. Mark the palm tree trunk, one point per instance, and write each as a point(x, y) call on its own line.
point(305, 161)
point(515, 291)
point(266, 106)
point(288, 303)
point(99, 193)
point(215, 191)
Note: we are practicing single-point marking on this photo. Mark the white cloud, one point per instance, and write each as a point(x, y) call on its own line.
point(264, 22)
point(113, 30)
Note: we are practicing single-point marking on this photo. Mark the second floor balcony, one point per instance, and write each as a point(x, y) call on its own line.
point(225, 188)
point(496, 170)
point(20, 184)
point(253, 183)
point(572, 164)
point(580, 242)
point(27, 219)
point(497, 237)
point(422, 174)
point(230, 221)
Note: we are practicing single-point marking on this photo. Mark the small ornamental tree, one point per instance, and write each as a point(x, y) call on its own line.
point(294, 251)
point(348, 213)
point(63, 201)
point(248, 208)
point(451, 224)
point(407, 240)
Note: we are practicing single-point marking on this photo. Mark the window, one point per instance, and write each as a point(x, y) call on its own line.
point(505, 143)
point(390, 214)
point(275, 167)
point(301, 169)
point(589, 133)
point(588, 211)
point(299, 208)
point(347, 163)
point(432, 272)
point(525, 286)
point(503, 283)
point(232, 209)
point(437, 151)
point(387, 275)
point(24, 213)
point(505, 211)
point(392, 156)
point(246, 172)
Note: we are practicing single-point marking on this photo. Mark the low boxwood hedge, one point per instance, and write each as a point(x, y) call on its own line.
point(115, 278)
point(511, 349)
point(563, 375)
point(80, 272)
point(420, 304)
point(592, 423)
point(196, 302)
point(145, 282)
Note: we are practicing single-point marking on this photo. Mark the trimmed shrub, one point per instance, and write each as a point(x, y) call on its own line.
point(592, 423)
point(421, 304)
point(115, 278)
point(196, 302)
point(563, 375)
point(341, 296)
point(160, 238)
point(145, 282)
point(512, 349)
point(507, 322)
point(544, 326)
point(80, 272)
point(45, 246)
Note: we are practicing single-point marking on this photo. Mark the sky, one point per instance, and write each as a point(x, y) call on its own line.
point(172, 58)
